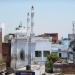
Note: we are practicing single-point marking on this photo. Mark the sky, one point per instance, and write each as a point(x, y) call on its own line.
point(51, 16)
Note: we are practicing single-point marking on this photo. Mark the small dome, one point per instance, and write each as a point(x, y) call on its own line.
point(21, 30)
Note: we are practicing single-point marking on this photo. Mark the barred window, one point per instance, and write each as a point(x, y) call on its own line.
point(38, 53)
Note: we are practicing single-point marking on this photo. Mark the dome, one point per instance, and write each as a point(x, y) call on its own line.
point(21, 30)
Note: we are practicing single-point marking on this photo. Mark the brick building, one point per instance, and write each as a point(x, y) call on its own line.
point(6, 53)
point(53, 35)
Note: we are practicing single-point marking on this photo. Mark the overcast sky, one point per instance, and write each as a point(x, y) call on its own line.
point(52, 16)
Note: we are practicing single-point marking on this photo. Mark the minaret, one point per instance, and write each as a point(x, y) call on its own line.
point(28, 22)
point(30, 37)
point(32, 20)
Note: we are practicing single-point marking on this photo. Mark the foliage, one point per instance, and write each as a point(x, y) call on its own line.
point(53, 57)
point(49, 66)
point(6, 37)
point(50, 60)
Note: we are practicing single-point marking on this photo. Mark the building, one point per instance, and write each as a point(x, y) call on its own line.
point(71, 36)
point(72, 52)
point(53, 35)
point(6, 53)
point(19, 48)
point(42, 49)
point(45, 46)
point(60, 50)
point(64, 46)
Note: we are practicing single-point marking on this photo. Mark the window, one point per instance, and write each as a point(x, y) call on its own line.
point(59, 54)
point(74, 48)
point(38, 53)
point(59, 49)
point(22, 55)
point(45, 53)
point(71, 56)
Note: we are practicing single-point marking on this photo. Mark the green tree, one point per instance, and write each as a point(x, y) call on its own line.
point(6, 37)
point(51, 58)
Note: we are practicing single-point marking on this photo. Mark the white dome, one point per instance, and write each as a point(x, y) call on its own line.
point(22, 30)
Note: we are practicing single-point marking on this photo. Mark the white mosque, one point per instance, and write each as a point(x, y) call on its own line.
point(26, 48)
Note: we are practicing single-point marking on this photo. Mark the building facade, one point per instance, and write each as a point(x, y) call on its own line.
point(42, 49)
point(6, 53)
point(54, 36)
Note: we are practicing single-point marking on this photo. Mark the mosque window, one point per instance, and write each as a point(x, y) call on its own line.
point(22, 55)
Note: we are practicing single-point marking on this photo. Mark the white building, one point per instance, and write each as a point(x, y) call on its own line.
point(40, 48)
point(19, 48)
point(61, 50)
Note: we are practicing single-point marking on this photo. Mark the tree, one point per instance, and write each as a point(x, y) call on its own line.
point(6, 37)
point(51, 58)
